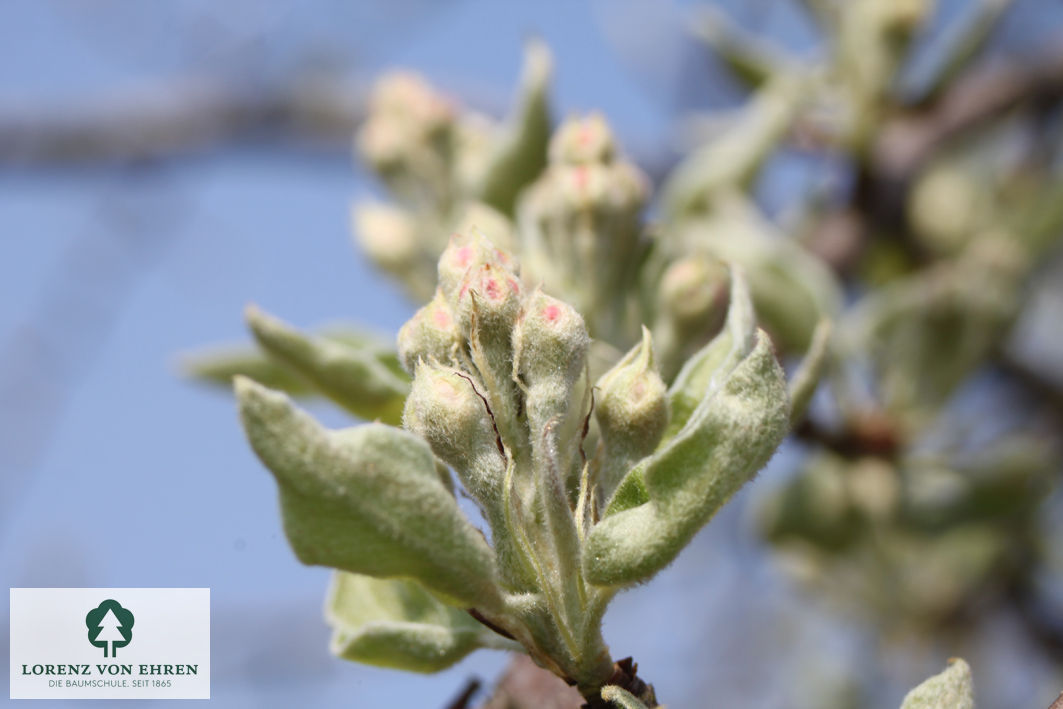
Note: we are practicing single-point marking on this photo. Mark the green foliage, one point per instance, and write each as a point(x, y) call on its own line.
point(500, 393)
point(729, 436)
point(397, 623)
point(594, 468)
point(352, 376)
point(952, 689)
point(367, 499)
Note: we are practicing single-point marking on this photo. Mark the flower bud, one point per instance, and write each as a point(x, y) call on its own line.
point(583, 140)
point(431, 334)
point(387, 235)
point(406, 95)
point(947, 208)
point(691, 304)
point(488, 304)
point(550, 346)
point(581, 226)
point(550, 341)
point(693, 293)
point(467, 252)
point(406, 117)
point(488, 299)
point(632, 412)
point(444, 408)
point(488, 221)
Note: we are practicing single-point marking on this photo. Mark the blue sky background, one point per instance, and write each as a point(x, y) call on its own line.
point(114, 471)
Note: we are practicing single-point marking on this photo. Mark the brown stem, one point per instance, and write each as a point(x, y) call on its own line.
point(472, 686)
point(870, 436)
point(625, 676)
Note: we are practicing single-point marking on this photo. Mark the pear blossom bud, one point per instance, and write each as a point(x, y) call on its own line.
point(431, 334)
point(387, 235)
point(947, 208)
point(693, 293)
point(491, 223)
point(583, 140)
point(633, 400)
point(632, 411)
point(613, 191)
point(382, 145)
point(468, 252)
point(691, 304)
point(550, 341)
point(406, 117)
point(488, 304)
point(550, 345)
point(404, 94)
point(581, 226)
point(489, 299)
point(445, 409)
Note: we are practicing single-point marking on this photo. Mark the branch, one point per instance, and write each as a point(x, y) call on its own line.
point(910, 138)
point(179, 118)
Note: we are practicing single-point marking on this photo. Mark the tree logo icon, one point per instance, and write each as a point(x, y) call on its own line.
point(111, 625)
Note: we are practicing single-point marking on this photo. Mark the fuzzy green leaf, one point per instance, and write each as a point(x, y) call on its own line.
point(218, 366)
point(734, 158)
point(521, 155)
point(707, 370)
point(726, 440)
point(749, 59)
point(368, 500)
point(806, 378)
point(351, 375)
point(952, 689)
point(791, 289)
point(397, 623)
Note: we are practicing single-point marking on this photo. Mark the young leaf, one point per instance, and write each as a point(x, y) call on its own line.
point(952, 689)
point(706, 371)
point(368, 500)
point(726, 440)
point(750, 59)
point(351, 376)
point(521, 155)
point(397, 623)
point(803, 384)
point(218, 366)
point(735, 157)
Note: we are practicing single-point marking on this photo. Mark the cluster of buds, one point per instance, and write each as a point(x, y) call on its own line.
point(439, 162)
point(587, 487)
point(408, 132)
point(581, 226)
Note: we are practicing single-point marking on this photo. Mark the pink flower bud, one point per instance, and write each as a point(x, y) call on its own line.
point(465, 254)
point(387, 234)
point(632, 413)
point(693, 293)
point(444, 408)
point(405, 116)
point(489, 298)
point(583, 140)
point(633, 400)
point(550, 340)
point(432, 334)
